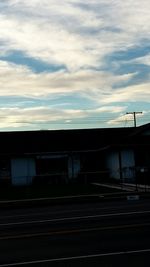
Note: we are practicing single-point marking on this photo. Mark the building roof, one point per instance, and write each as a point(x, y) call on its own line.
point(53, 141)
point(140, 136)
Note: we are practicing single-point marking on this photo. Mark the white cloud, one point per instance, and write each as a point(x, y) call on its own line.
point(36, 117)
point(112, 109)
point(125, 118)
point(142, 60)
point(120, 119)
point(21, 81)
point(53, 42)
point(72, 35)
point(78, 35)
point(133, 93)
point(16, 117)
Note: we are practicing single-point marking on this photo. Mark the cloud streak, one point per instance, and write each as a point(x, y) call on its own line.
point(78, 42)
point(76, 35)
point(49, 117)
point(21, 81)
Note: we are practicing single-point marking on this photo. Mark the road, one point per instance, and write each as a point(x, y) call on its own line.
point(92, 234)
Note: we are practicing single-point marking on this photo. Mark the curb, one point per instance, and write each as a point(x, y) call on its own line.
point(78, 199)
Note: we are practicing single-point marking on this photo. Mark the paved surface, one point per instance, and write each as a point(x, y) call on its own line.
point(96, 234)
point(115, 186)
point(137, 187)
point(129, 187)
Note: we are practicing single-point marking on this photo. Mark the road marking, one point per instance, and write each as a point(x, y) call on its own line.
point(25, 200)
point(73, 231)
point(75, 218)
point(83, 208)
point(56, 212)
point(115, 187)
point(77, 257)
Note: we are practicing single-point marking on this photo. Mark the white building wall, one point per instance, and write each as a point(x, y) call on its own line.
point(112, 163)
point(22, 171)
point(73, 166)
point(128, 164)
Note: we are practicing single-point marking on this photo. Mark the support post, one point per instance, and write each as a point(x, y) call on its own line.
point(134, 115)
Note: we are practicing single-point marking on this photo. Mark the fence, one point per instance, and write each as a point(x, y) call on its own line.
point(139, 178)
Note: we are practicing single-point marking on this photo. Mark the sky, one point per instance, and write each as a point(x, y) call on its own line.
point(67, 64)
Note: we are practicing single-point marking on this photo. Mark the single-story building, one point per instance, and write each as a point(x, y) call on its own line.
point(52, 156)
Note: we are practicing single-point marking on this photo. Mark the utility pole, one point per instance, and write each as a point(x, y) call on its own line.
point(134, 115)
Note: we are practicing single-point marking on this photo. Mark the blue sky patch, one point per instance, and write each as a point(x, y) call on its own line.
point(130, 53)
point(38, 66)
point(98, 49)
point(72, 101)
point(15, 101)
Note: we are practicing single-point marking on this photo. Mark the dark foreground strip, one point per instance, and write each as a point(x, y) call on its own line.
point(77, 257)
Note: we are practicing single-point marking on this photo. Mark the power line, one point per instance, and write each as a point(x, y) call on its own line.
point(134, 113)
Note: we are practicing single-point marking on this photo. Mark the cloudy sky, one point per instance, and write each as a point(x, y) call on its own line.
point(73, 63)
